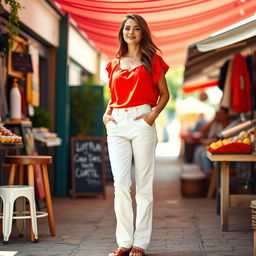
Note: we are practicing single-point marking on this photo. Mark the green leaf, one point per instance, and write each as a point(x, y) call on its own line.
point(13, 20)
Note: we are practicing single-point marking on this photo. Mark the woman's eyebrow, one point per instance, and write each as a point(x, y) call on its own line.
point(127, 26)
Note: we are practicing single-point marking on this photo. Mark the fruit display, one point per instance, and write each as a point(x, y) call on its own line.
point(241, 143)
point(6, 136)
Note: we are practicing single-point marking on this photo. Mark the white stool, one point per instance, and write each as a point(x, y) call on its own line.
point(9, 194)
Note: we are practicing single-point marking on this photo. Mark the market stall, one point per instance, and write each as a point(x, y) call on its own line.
point(228, 60)
point(235, 144)
point(205, 58)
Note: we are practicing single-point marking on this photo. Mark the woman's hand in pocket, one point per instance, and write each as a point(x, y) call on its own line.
point(108, 118)
point(148, 118)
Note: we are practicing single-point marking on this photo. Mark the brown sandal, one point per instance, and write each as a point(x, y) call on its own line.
point(119, 252)
point(138, 251)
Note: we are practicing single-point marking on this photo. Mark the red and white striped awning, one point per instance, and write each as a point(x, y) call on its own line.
point(175, 24)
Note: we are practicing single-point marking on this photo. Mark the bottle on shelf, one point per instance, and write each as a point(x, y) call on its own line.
point(15, 101)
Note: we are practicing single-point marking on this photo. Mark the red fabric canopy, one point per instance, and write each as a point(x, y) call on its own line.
point(188, 88)
point(175, 24)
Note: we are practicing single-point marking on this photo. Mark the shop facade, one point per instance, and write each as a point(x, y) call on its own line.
point(61, 56)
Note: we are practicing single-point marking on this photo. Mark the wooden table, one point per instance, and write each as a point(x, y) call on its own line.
point(227, 200)
point(10, 146)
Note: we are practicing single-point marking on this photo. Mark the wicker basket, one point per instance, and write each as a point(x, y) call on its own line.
point(253, 207)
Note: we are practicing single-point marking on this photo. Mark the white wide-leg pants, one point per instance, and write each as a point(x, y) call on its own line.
point(126, 139)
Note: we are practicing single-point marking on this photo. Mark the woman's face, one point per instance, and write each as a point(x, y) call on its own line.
point(131, 32)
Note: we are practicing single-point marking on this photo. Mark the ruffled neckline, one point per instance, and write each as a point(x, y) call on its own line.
point(125, 69)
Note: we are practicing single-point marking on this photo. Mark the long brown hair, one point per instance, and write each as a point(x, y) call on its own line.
point(147, 47)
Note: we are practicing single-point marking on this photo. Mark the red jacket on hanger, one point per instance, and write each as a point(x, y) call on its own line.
point(240, 85)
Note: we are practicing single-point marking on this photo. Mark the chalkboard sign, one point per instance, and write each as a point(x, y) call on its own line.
point(22, 62)
point(88, 166)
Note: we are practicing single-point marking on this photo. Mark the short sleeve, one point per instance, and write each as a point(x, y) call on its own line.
point(111, 66)
point(158, 66)
point(109, 69)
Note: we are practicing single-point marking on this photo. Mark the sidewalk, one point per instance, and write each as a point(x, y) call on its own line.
point(182, 227)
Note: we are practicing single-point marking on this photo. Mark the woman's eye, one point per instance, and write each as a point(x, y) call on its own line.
point(127, 29)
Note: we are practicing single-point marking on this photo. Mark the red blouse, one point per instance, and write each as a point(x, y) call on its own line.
point(135, 87)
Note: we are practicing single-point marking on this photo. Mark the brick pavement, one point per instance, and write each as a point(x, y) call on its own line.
point(182, 227)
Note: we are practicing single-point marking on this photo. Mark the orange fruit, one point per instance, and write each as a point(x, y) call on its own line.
point(247, 141)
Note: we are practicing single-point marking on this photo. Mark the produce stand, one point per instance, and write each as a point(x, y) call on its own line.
point(228, 200)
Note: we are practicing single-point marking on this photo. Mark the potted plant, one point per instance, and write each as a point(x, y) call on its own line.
point(41, 118)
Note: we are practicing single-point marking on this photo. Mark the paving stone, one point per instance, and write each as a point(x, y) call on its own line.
point(181, 227)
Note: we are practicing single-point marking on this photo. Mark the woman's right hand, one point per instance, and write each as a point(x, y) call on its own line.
point(108, 118)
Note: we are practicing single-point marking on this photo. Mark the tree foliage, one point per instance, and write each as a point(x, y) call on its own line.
point(13, 20)
point(84, 102)
point(174, 80)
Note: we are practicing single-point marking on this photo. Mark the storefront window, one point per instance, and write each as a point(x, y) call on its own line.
point(77, 74)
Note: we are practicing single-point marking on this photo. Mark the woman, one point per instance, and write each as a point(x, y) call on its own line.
point(137, 84)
